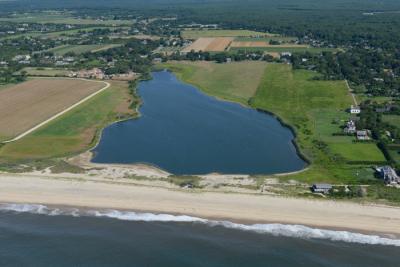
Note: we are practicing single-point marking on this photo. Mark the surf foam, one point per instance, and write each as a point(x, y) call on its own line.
point(286, 230)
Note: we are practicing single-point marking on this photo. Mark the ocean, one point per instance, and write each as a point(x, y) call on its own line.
point(36, 235)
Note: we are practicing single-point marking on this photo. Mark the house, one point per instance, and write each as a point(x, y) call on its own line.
point(157, 60)
point(363, 135)
point(95, 73)
point(350, 127)
point(389, 175)
point(321, 188)
point(386, 108)
point(355, 109)
point(21, 57)
point(286, 54)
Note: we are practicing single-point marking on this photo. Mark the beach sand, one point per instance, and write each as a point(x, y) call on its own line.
point(249, 208)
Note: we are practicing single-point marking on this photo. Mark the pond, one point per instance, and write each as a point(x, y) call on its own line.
point(184, 131)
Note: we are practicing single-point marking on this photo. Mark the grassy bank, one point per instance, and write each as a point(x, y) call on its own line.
point(76, 131)
point(234, 82)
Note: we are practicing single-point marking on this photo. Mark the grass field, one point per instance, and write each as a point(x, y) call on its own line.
point(75, 131)
point(310, 107)
point(195, 34)
point(79, 49)
point(280, 49)
point(392, 119)
point(56, 33)
point(285, 39)
point(59, 18)
point(263, 44)
point(27, 104)
point(48, 72)
point(235, 82)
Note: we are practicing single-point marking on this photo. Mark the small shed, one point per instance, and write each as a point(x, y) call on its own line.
point(321, 188)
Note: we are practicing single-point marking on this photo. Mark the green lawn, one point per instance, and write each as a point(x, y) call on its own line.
point(235, 81)
point(395, 154)
point(79, 49)
point(311, 107)
point(74, 132)
point(392, 119)
point(194, 34)
point(357, 151)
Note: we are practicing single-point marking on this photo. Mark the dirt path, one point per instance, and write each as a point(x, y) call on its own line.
point(351, 93)
point(107, 85)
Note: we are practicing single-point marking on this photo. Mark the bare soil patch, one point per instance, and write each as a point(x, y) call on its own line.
point(27, 104)
point(209, 44)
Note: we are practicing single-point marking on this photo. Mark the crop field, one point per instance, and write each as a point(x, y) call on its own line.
point(235, 82)
point(280, 49)
point(79, 49)
point(278, 38)
point(25, 105)
point(195, 34)
point(209, 44)
point(246, 44)
point(75, 131)
point(48, 72)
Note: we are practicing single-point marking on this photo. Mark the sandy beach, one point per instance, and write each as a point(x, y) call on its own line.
point(249, 208)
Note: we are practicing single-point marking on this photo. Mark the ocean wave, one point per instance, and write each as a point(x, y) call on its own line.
point(275, 229)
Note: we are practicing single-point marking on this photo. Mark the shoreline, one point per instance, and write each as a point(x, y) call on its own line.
point(236, 207)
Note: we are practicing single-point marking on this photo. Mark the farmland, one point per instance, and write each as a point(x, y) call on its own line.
point(79, 49)
point(47, 72)
point(195, 34)
point(234, 82)
point(209, 44)
point(250, 44)
point(76, 130)
point(25, 105)
point(60, 18)
point(280, 49)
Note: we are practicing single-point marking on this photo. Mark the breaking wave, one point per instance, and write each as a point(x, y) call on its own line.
point(286, 230)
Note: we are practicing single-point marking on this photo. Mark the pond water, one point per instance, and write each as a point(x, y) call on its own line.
point(184, 131)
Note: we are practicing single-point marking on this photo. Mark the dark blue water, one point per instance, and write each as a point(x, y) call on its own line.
point(185, 131)
point(41, 240)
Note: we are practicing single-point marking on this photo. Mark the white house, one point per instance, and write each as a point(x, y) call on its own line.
point(355, 110)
